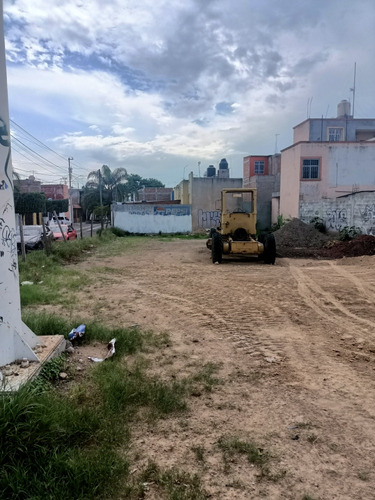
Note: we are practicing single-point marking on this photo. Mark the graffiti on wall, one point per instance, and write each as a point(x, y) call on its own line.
point(208, 218)
point(368, 214)
point(336, 219)
point(8, 239)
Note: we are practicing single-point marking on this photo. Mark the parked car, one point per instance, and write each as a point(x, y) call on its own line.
point(33, 237)
point(69, 232)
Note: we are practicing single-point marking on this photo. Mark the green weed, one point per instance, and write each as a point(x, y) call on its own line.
point(206, 376)
point(199, 453)
point(175, 484)
point(232, 445)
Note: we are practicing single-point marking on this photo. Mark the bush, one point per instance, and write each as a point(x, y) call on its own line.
point(319, 224)
point(349, 233)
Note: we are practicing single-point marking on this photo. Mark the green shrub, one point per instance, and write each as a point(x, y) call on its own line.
point(319, 224)
point(277, 225)
point(349, 233)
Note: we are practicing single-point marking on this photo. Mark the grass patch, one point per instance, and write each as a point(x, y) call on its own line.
point(232, 445)
point(205, 377)
point(50, 446)
point(181, 236)
point(53, 442)
point(175, 485)
point(53, 280)
point(199, 453)
point(128, 340)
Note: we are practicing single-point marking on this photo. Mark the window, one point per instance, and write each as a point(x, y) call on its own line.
point(258, 167)
point(334, 134)
point(310, 168)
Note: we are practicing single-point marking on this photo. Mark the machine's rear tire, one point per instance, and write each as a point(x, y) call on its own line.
point(212, 231)
point(269, 249)
point(217, 248)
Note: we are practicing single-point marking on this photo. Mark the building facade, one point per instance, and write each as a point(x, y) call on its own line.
point(330, 158)
point(203, 194)
point(263, 173)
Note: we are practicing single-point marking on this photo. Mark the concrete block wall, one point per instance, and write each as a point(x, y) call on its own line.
point(356, 209)
point(152, 219)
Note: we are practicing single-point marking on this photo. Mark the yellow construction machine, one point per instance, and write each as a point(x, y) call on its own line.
point(236, 234)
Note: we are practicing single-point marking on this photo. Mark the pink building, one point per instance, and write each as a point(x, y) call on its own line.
point(329, 158)
point(263, 173)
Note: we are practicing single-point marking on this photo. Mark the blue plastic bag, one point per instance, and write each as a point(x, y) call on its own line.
point(77, 332)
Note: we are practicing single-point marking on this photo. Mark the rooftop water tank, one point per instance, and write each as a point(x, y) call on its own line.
point(211, 171)
point(223, 164)
point(343, 108)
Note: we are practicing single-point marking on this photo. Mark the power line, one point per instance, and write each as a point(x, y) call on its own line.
point(37, 140)
point(37, 154)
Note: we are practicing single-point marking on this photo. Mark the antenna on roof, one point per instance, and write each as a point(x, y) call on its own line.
point(353, 88)
point(309, 101)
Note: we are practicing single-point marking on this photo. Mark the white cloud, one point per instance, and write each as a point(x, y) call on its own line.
point(183, 79)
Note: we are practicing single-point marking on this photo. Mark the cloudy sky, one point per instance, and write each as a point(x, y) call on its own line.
point(166, 87)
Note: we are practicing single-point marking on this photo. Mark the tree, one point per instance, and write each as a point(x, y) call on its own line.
point(136, 182)
point(110, 181)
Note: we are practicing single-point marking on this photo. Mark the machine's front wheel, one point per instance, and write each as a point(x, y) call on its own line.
point(217, 248)
point(269, 249)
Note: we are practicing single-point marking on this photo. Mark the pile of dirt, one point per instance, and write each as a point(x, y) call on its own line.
point(362, 245)
point(297, 239)
point(298, 234)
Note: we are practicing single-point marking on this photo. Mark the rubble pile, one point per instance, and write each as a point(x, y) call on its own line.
point(298, 239)
point(299, 234)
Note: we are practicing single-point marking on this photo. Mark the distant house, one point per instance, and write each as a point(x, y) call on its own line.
point(155, 194)
point(29, 185)
point(204, 195)
point(330, 158)
point(263, 173)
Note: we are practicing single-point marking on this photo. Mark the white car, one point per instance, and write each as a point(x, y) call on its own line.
point(33, 237)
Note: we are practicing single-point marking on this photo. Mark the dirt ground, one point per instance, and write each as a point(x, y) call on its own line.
point(295, 348)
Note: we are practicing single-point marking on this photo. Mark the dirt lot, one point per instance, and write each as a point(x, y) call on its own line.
point(294, 345)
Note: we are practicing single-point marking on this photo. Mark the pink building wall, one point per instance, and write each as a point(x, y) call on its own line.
point(301, 132)
point(345, 167)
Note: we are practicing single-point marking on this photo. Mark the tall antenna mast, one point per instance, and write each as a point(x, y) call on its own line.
point(353, 89)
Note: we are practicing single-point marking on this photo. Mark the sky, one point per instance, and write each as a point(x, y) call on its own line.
point(163, 88)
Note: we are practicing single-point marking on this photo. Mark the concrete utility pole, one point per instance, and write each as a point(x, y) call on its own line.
point(16, 339)
point(101, 200)
point(70, 170)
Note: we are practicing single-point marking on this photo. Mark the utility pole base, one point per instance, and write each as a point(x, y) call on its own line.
point(16, 374)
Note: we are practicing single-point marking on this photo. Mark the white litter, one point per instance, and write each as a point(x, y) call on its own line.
point(110, 353)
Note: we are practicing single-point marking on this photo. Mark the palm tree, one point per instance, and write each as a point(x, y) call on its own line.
point(110, 181)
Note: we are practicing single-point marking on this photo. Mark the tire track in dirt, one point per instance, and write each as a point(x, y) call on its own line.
point(365, 291)
point(323, 302)
point(242, 313)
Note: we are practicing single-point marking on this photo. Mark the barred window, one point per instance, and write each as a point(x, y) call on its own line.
point(259, 167)
point(334, 134)
point(310, 169)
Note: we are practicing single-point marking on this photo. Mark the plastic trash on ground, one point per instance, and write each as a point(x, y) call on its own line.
point(110, 353)
point(77, 332)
